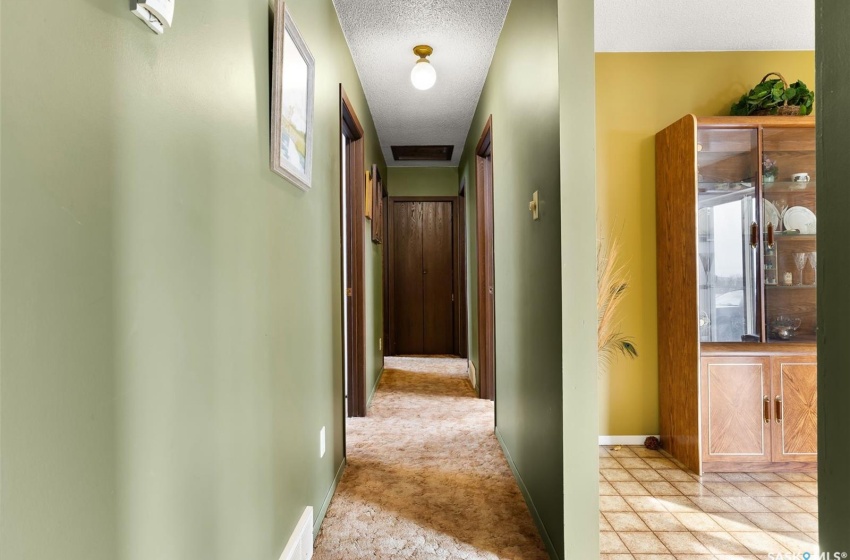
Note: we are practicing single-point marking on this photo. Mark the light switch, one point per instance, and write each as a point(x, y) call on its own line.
point(533, 206)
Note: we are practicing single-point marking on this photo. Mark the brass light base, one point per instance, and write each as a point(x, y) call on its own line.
point(422, 51)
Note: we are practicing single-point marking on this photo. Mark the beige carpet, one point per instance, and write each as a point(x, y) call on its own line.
point(426, 477)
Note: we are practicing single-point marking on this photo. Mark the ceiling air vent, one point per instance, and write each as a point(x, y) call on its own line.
point(422, 153)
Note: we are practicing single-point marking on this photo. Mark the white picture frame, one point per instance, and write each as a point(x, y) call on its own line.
point(293, 92)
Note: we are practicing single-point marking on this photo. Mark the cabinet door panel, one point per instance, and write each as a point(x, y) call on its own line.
point(728, 163)
point(790, 277)
point(734, 411)
point(795, 409)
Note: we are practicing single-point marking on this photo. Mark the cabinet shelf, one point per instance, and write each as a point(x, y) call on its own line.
point(798, 339)
point(788, 187)
point(795, 236)
point(791, 287)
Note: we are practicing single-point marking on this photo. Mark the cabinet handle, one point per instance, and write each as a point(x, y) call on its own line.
point(770, 238)
point(778, 409)
point(767, 410)
point(754, 235)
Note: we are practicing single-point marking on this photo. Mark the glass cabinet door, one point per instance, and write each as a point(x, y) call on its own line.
point(789, 227)
point(727, 240)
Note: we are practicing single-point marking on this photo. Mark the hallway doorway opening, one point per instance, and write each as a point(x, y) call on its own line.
point(425, 270)
point(352, 196)
point(486, 269)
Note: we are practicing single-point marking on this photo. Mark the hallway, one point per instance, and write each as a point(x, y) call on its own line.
point(426, 477)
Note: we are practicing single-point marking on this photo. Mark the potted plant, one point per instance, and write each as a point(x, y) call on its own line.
point(775, 97)
point(769, 169)
point(611, 286)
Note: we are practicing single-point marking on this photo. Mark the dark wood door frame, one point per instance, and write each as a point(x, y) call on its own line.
point(385, 276)
point(458, 280)
point(352, 200)
point(486, 269)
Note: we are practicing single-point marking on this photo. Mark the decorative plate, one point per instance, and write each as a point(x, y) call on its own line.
point(801, 218)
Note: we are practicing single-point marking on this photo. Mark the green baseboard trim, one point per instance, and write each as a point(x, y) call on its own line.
point(375, 388)
point(553, 554)
point(327, 502)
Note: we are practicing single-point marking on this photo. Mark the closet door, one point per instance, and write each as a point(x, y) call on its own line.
point(438, 277)
point(408, 298)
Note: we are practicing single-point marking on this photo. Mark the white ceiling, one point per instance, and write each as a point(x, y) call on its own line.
point(704, 25)
point(381, 35)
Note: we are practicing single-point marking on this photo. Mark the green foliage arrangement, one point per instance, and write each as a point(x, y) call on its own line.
point(774, 97)
point(611, 285)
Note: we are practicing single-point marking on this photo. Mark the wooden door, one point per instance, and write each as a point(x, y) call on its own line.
point(423, 281)
point(735, 410)
point(437, 278)
point(795, 409)
point(406, 276)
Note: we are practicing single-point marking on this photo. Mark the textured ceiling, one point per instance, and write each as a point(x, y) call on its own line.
point(381, 35)
point(704, 25)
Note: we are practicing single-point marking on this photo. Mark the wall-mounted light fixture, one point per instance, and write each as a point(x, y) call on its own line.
point(423, 76)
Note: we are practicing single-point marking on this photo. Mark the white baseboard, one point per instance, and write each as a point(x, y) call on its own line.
point(300, 545)
point(471, 370)
point(622, 440)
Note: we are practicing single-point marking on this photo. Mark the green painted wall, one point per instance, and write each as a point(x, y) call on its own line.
point(423, 181)
point(578, 262)
point(833, 116)
point(171, 308)
point(467, 177)
point(521, 93)
point(374, 279)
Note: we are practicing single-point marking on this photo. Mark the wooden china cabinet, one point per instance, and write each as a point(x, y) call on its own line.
point(737, 307)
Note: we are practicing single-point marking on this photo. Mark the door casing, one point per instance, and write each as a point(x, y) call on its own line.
point(486, 265)
point(352, 200)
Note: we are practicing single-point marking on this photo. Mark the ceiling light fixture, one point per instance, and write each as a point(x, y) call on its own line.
point(423, 76)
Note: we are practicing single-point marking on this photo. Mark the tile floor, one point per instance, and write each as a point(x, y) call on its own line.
point(652, 509)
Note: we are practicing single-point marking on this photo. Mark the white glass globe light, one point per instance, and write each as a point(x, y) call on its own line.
point(423, 76)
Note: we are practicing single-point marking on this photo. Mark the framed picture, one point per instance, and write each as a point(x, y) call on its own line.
point(377, 188)
point(370, 188)
point(293, 79)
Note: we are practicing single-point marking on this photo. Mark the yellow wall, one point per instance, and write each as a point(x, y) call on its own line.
point(638, 94)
